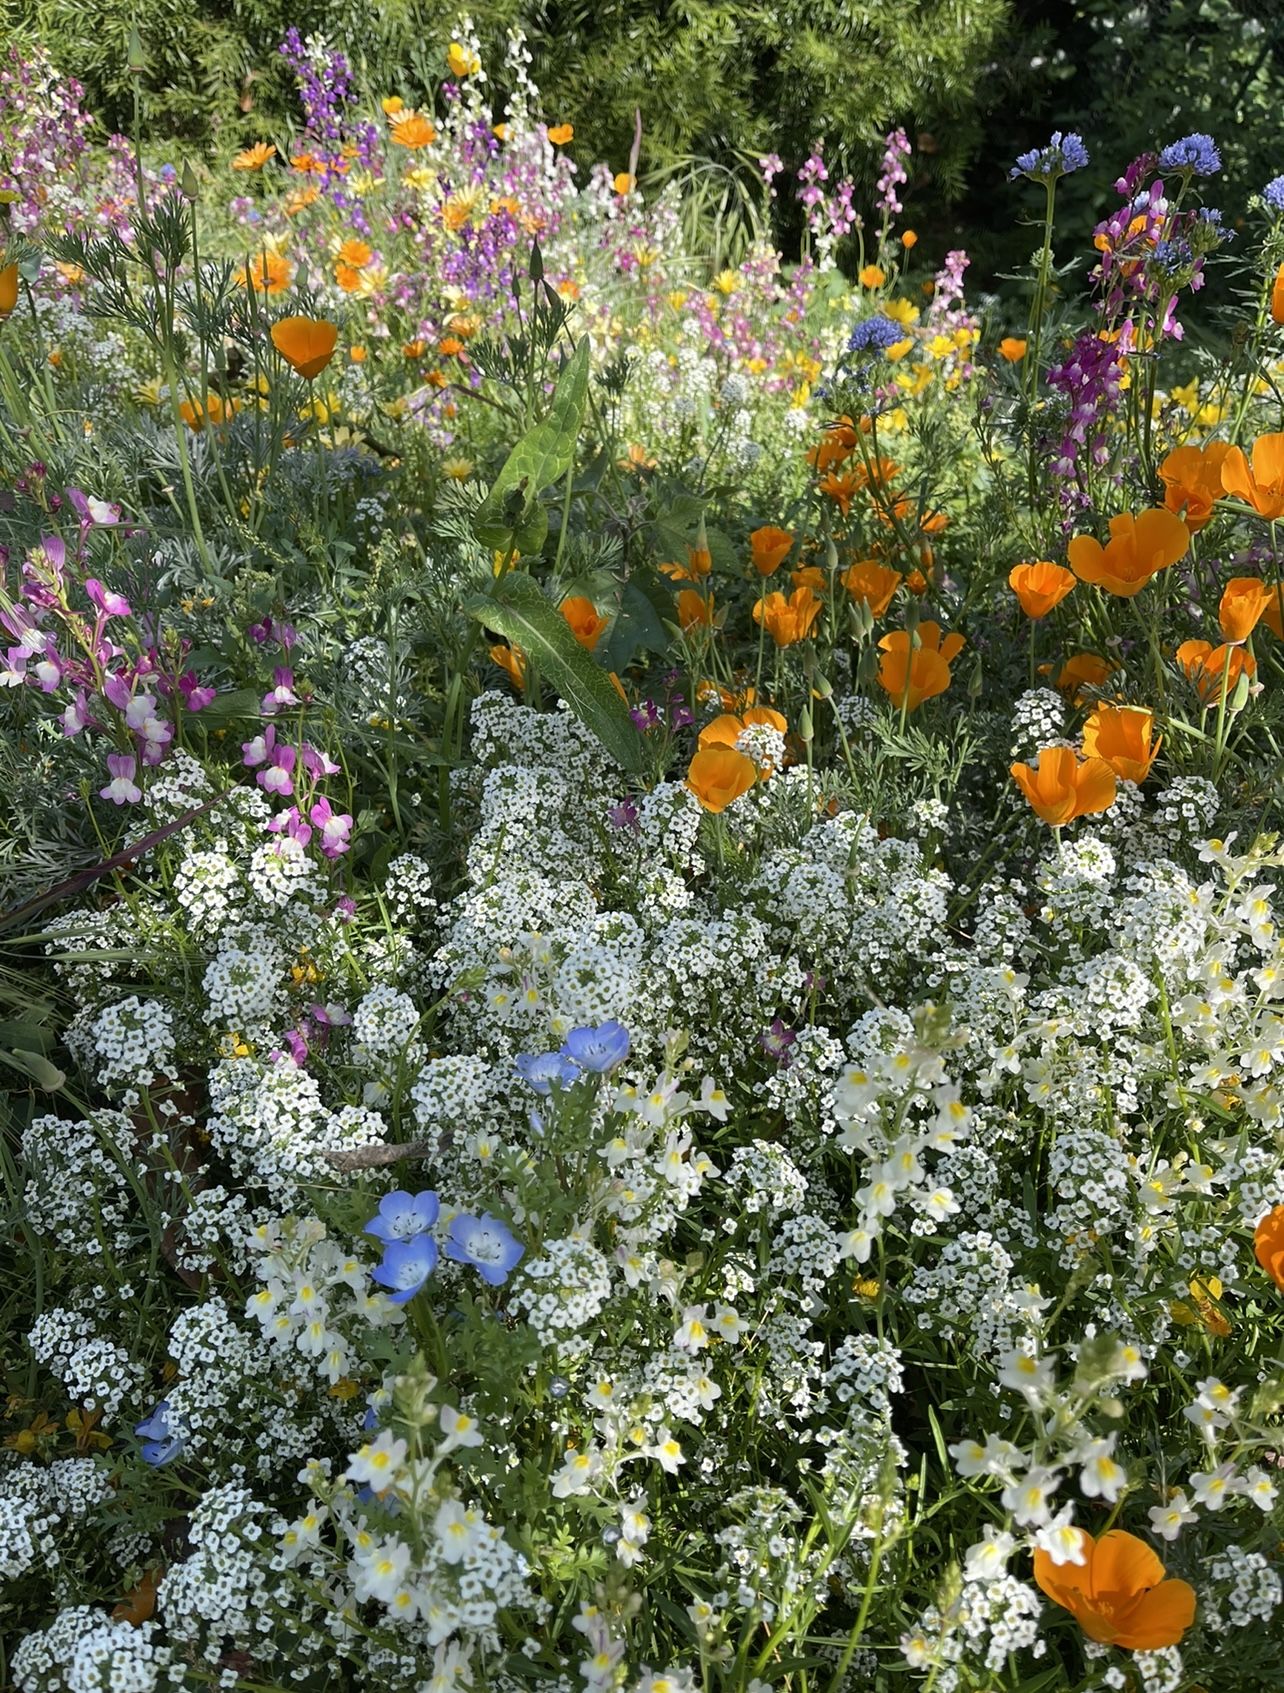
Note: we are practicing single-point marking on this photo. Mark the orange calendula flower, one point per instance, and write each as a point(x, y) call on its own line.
point(1121, 735)
point(305, 343)
point(911, 674)
point(1244, 601)
point(1207, 666)
point(1120, 1594)
point(347, 277)
point(769, 547)
point(1139, 548)
point(1277, 297)
point(356, 253)
point(413, 132)
point(719, 775)
point(1260, 483)
point(694, 610)
point(1040, 586)
point(1013, 348)
point(266, 273)
point(1060, 787)
point(8, 289)
point(511, 660)
point(255, 157)
point(1268, 1245)
point(790, 620)
point(583, 621)
point(560, 133)
point(872, 584)
point(1192, 479)
point(841, 489)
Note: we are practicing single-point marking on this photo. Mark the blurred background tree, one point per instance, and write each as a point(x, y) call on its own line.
point(720, 82)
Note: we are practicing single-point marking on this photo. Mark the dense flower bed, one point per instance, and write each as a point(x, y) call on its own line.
point(642, 922)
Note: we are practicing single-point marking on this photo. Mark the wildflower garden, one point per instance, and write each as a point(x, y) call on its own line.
point(641, 893)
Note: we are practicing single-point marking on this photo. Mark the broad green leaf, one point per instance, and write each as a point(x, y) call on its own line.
point(511, 514)
point(517, 610)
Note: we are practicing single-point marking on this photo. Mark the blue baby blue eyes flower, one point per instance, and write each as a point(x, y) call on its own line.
point(1195, 153)
point(543, 1070)
point(163, 1440)
point(1273, 193)
point(1063, 154)
point(486, 1244)
point(406, 1266)
point(401, 1215)
point(875, 335)
point(598, 1049)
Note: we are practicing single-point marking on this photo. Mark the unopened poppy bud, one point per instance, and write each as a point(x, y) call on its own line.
point(134, 60)
point(189, 185)
point(804, 725)
point(822, 688)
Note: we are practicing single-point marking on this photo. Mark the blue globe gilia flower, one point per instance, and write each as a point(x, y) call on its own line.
point(486, 1244)
point(402, 1216)
point(597, 1049)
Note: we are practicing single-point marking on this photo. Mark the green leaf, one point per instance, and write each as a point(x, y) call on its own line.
point(517, 610)
point(511, 514)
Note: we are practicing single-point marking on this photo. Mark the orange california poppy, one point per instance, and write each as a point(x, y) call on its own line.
point(560, 133)
point(463, 61)
point(725, 730)
point(305, 343)
point(1261, 484)
point(911, 674)
point(266, 273)
point(1139, 547)
point(8, 289)
point(1040, 586)
point(623, 182)
point(1121, 735)
point(1013, 348)
point(413, 132)
point(1083, 670)
point(833, 448)
point(788, 620)
point(255, 157)
point(809, 576)
point(769, 547)
point(216, 410)
point(1204, 1310)
point(512, 660)
point(718, 775)
point(139, 1604)
point(1277, 297)
point(873, 276)
point(1271, 611)
point(1060, 788)
point(872, 584)
point(1119, 1595)
point(1192, 479)
point(1244, 600)
point(1206, 665)
point(694, 610)
point(1268, 1245)
point(583, 621)
point(909, 239)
